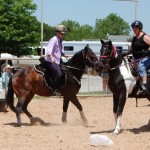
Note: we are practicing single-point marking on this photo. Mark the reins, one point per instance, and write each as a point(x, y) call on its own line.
point(71, 67)
point(133, 62)
point(113, 54)
point(76, 67)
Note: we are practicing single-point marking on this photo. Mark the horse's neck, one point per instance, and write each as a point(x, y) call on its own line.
point(78, 71)
point(115, 62)
point(78, 65)
point(122, 69)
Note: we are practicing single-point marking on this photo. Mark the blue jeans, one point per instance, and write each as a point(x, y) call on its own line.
point(143, 65)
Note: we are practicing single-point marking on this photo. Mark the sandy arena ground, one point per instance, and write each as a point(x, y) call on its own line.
point(52, 134)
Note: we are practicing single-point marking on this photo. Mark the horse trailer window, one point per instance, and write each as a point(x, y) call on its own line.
point(68, 48)
point(119, 47)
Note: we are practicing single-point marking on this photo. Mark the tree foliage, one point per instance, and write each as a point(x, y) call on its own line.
point(18, 28)
point(112, 24)
point(76, 31)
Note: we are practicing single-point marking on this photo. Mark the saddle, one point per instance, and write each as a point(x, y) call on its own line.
point(48, 75)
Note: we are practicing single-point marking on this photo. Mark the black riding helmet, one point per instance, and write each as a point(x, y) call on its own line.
point(137, 24)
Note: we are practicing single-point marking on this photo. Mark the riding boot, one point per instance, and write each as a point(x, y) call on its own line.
point(56, 87)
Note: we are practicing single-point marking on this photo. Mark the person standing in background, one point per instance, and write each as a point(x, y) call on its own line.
point(6, 75)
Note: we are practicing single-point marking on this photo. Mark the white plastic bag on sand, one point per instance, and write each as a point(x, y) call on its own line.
point(100, 140)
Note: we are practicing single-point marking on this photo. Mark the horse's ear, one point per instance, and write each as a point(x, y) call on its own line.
point(110, 43)
point(102, 42)
point(86, 47)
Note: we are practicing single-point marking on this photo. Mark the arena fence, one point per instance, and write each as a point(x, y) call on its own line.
point(90, 85)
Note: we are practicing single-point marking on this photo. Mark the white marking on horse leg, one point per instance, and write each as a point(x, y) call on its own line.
point(85, 121)
point(64, 117)
point(115, 116)
point(18, 111)
point(117, 129)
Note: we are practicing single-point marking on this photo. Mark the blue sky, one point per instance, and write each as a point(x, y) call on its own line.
point(87, 11)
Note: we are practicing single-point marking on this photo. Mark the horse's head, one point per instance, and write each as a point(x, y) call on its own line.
point(107, 51)
point(89, 57)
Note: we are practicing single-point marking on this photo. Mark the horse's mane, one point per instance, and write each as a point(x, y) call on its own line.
point(77, 57)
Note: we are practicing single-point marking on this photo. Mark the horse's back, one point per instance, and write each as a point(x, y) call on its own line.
point(24, 74)
point(28, 80)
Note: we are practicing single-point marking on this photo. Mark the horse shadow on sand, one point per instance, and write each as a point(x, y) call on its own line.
point(36, 121)
point(101, 132)
point(144, 128)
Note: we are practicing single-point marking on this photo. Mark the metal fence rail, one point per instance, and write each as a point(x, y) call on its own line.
point(90, 85)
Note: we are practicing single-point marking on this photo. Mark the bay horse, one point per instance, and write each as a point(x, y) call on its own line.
point(27, 82)
point(121, 82)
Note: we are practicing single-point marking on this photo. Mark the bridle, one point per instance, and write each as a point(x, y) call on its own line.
point(86, 60)
point(107, 57)
point(113, 53)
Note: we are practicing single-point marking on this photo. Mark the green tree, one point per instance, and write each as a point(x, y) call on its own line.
point(48, 32)
point(77, 32)
point(18, 28)
point(112, 24)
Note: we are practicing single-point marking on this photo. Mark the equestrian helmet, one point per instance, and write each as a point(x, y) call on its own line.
point(61, 28)
point(137, 24)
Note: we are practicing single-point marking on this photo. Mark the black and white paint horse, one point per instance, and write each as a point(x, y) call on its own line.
point(121, 81)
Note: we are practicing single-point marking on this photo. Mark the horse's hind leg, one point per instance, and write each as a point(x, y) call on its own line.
point(22, 106)
point(19, 107)
point(28, 99)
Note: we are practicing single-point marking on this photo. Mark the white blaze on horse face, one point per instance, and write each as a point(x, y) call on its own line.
point(128, 77)
point(116, 55)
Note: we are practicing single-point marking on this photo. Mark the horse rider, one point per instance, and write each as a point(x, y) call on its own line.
point(53, 54)
point(140, 50)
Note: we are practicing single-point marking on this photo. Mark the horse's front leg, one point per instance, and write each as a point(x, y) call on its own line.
point(118, 124)
point(65, 108)
point(119, 102)
point(76, 102)
point(117, 120)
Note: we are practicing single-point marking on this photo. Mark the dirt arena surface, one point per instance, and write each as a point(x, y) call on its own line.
point(51, 134)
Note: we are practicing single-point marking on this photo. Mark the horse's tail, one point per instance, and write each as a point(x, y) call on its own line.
point(10, 96)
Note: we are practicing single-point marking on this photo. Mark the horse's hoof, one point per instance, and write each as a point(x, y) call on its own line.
point(116, 132)
point(148, 124)
point(36, 121)
point(64, 121)
point(64, 117)
point(19, 124)
point(86, 123)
